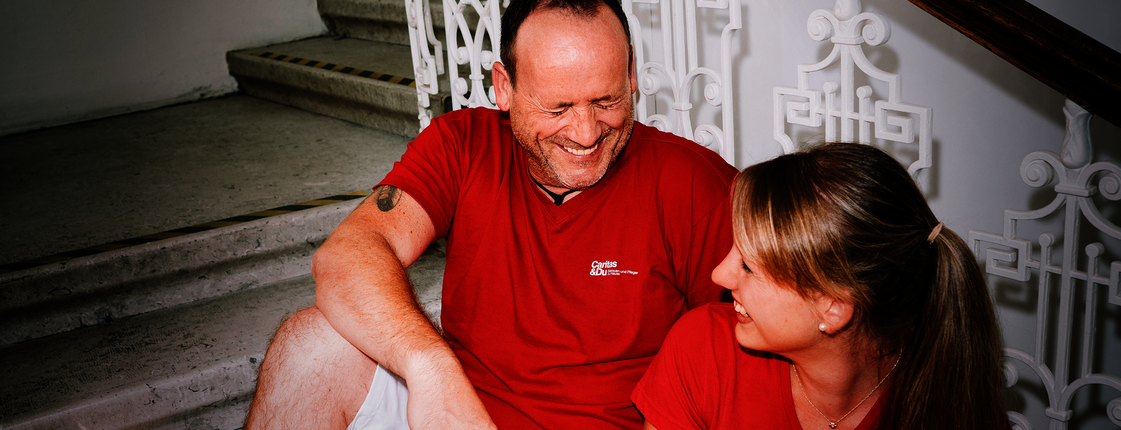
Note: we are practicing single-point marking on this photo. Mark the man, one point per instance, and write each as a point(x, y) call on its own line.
point(575, 239)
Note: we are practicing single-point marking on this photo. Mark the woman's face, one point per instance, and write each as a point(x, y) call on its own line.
point(770, 317)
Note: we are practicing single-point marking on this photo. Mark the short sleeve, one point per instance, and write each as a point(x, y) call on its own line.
point(435, 164)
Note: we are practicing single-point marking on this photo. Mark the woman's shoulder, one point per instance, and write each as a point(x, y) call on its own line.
point(710, 330)
point(703, 376)
point(708, 318)
point(703, 329)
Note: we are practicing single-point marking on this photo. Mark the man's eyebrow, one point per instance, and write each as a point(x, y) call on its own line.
point(606, 98)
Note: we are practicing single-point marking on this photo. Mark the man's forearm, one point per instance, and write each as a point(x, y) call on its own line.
point(363, 290)
point(377, 312)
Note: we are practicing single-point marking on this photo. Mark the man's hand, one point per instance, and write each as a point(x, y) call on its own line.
point(441, 397)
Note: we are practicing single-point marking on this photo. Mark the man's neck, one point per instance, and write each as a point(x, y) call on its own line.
point(557, 198)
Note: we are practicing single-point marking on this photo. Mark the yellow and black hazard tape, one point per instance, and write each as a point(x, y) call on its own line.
point(23, 265)
point(338, 68)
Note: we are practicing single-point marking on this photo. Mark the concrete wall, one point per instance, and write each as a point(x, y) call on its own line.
point(72, 60)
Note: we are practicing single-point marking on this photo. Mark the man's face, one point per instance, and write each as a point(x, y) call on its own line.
point(572, 109)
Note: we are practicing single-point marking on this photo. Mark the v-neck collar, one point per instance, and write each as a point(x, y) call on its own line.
point(580, 201)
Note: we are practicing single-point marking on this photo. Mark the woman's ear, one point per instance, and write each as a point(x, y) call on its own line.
point(835, 313)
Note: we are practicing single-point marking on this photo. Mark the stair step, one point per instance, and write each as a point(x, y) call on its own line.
point(377, 20)
point(95, 183)
point(110, 286)
point(142, 372)
point(356, 80)
point(190, 366)
point(170, 206)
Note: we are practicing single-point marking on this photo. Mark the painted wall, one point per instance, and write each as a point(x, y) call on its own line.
point(72, 60)
point(987, 116)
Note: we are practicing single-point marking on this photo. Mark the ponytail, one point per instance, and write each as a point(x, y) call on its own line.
point(951, 376)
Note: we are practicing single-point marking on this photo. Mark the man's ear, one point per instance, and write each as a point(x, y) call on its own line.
point(835, 313)
point(503, 88)
point(633, 75)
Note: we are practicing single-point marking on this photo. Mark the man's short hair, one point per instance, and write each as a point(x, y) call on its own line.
point(519, 10)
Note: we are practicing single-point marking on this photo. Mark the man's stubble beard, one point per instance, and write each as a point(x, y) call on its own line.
point(540, 162)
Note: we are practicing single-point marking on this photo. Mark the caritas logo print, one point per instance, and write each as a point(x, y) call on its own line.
point(609, 268)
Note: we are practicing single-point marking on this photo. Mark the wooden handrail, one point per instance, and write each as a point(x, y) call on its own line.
point(1074, 64)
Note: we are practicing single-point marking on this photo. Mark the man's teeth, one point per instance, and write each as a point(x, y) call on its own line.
point(581, 151)
point(740, 309)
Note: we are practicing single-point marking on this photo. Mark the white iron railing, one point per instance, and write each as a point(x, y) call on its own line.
point(679, 70)
point(847, 27)
point(1013, 258)
point(426, 66)
point(472, 32)
point(478, 51)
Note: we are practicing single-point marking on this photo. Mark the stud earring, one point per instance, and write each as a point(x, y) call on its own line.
point(821, 327)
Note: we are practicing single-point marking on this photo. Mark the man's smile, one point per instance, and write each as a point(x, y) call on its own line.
point(578, 151)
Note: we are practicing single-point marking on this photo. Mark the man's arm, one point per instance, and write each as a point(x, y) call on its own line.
point(363, 290)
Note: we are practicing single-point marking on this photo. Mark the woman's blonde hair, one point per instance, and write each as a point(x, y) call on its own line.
point(847, 221)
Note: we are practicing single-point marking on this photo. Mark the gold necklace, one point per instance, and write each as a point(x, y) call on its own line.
point(833, 424)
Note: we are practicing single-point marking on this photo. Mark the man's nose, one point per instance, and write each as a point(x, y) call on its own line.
point(583, 129)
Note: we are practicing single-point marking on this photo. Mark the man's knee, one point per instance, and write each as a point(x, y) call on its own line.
point(305, 328)
point(310, 366)
point(307, 339)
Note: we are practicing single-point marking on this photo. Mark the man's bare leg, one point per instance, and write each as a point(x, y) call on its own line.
point(311, 377)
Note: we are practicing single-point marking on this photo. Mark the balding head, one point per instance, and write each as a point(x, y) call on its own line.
point(520, 10)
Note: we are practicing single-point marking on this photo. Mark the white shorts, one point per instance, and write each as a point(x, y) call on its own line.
point(385, 404)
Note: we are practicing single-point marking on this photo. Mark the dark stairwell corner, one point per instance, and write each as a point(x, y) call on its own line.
point(149, 257)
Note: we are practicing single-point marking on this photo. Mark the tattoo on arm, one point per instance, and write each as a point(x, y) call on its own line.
point(387, 197)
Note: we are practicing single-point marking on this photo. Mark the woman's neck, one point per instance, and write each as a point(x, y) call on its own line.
point(827, 386)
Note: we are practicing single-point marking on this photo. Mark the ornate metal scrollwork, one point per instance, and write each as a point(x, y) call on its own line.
point(1009, 256)
point(479, 50)
point(426, 66)
point(861, 118)
point(477, 25)
point(680, 71)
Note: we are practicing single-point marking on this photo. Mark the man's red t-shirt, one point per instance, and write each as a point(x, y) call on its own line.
point(556, 311)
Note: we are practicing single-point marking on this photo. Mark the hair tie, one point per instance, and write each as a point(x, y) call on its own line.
point(934, 233)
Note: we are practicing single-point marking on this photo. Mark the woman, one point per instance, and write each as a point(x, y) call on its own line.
point(854, 306)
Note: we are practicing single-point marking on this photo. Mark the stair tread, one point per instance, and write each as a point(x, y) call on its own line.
point(381, 57)
point(377, 10)
point(367, 82)
point(145, 368)
point(384, 20)
point(238, 154)
point(93, 364)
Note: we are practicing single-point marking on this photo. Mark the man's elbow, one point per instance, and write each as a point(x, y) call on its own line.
point(326, 262)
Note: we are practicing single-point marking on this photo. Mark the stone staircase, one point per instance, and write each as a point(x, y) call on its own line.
point(357, 80)
point(170, 333)
point(362, 74)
